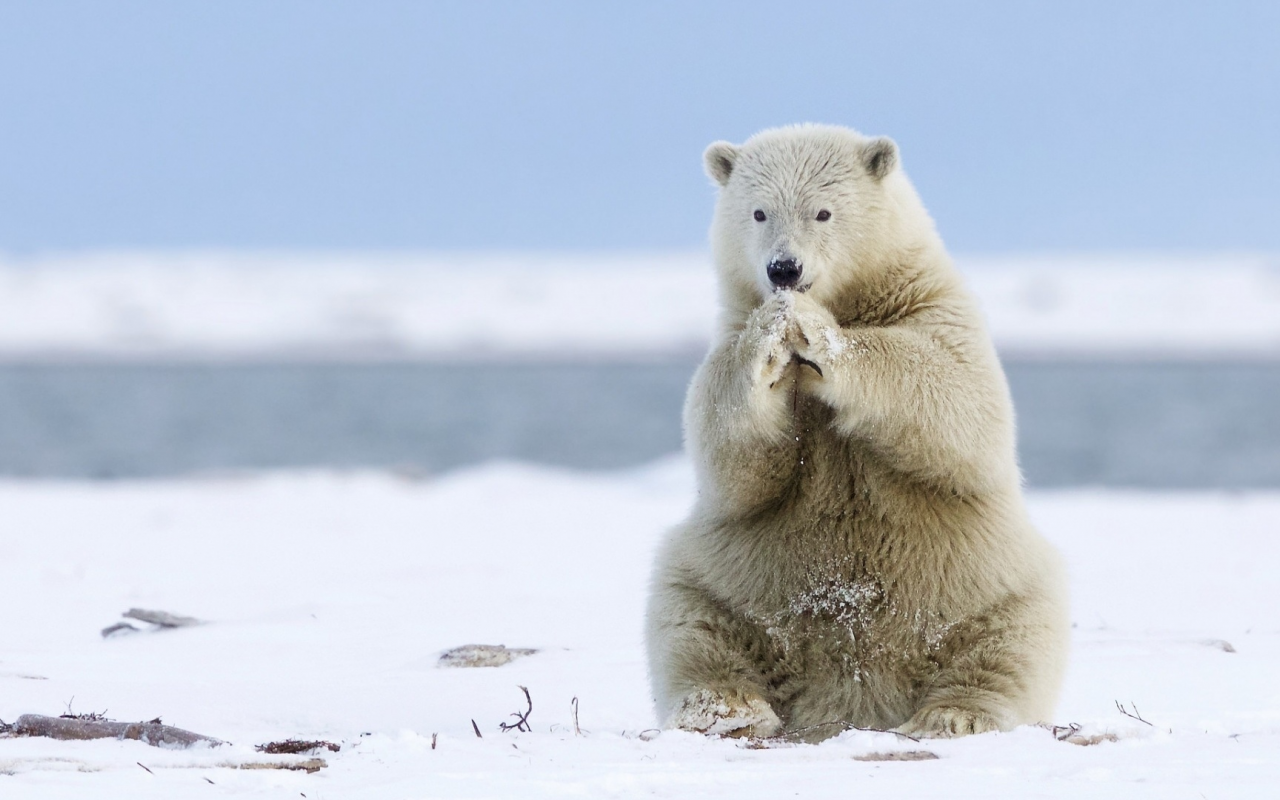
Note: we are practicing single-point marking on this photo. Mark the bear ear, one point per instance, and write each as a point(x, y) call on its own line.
point(719, 160)
point(880, 156)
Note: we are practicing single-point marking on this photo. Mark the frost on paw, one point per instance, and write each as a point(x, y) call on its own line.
point(942, 722)
point(717, 714)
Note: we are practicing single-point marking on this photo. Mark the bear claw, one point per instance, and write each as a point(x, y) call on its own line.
point(944, 722)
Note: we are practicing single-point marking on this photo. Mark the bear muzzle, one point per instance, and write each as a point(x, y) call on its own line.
point(784, 273)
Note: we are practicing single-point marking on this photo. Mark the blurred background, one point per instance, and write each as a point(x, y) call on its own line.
point(423, 235)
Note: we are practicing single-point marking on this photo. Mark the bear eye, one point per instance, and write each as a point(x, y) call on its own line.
point(824, 215)
point(759, 215)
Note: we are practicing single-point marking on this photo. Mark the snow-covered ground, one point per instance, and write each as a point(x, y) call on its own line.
point(329, 598)
point(229, 305)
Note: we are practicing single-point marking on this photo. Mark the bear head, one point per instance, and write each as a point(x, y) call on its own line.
point(806, 208)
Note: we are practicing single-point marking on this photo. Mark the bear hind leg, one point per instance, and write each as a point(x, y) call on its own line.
point(705, 665)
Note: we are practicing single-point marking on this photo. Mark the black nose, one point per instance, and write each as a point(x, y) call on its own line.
point(784, 274)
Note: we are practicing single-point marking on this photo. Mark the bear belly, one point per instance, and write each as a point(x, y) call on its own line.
point(843, 651)
point(852, 635)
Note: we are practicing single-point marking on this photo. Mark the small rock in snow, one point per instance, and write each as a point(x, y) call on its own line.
point(483, 655)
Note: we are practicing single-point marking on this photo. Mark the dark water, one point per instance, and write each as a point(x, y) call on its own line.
point(1159, 425)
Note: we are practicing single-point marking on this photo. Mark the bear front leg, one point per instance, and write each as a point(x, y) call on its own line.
point(932, 404)
point(702, 666)
point(739, 418)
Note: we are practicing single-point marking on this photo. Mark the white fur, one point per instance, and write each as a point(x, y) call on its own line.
point(859, 552)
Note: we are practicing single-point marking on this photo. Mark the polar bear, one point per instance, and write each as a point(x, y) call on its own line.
point(858, 553)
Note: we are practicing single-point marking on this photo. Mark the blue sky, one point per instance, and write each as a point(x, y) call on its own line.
point(580, 126)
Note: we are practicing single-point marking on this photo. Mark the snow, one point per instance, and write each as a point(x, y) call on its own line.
point(328, 599)
point(238, 305)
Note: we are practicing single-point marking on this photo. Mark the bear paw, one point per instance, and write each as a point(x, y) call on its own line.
point(819, 338)
point(769, 336)
point(944, 722)
point(719, 714)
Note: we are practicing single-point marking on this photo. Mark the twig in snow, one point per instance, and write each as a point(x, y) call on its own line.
point(118, 629)
point(476, 728)
point(92, 716)
point(577, 731)
point(144, 766)
point(433, 741)
point(522, 720)
point(1136, 713)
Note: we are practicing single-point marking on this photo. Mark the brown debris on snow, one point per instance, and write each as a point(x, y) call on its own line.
point(309, 765)
point(483, 655)
point(296, 746)
point(898, 755)
point(93, 726)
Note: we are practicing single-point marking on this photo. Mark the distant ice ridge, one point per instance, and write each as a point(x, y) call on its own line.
point(437, 306)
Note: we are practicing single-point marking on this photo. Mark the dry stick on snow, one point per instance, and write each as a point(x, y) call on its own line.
point(95, 727)
point(119, 627)
point(522, 720)
point(476, 728)
point(1136, 713)
point(92, 716)
point(433, 741)
point(576, 730)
